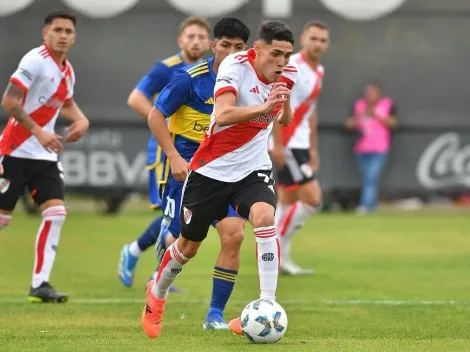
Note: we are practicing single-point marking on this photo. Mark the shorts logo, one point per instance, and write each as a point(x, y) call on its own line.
point(187, 215)
point(306, 170)
point(4, 185)
point(267, 257)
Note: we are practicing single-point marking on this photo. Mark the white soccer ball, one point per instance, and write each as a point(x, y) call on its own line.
point(263, 321)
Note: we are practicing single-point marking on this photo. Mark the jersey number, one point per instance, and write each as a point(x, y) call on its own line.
point(267, 180)
point(170, 207)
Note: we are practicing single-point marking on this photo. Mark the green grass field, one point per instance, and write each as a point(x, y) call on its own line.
point(390, 282)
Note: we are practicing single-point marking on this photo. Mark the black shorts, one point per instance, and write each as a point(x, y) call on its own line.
point(206, 199)
point(43, 178)
point(297, 170)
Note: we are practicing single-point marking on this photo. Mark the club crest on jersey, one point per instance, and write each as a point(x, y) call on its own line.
point(187, 215)
point(4, 185)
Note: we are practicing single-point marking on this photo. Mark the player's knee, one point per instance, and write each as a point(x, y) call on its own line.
point(231, 239)
point(4, 221)
point(262, 215)
point(311, 194)
point(55, 213)
point(187, 247)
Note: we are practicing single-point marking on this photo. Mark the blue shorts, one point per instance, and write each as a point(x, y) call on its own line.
point(154, 170)
point(171, 202)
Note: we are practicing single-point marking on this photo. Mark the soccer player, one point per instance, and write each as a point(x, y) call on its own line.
point(232, 166)
point(294, 154)
point(193, 41)
point(40, 89)
point(188, 99)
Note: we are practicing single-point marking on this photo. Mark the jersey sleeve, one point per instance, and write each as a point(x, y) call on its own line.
point(175, 94)
point(155, 80)
point(72, 85)
point(28, 71)
point(290, 74)
point(229, 76)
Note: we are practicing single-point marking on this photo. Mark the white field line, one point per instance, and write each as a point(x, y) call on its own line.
point(356, 302)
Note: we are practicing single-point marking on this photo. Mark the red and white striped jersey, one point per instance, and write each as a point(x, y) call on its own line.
point(46, 86)
point(304, 98)
point(231, 153)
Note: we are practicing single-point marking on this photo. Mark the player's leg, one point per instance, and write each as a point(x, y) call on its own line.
point(131, 252)
point(231, 233)
point(309, 195)
point(203, 200)
point(171, 225)
point(12, 183)
point(255, 199)
point(300, 196)
point(45, 181)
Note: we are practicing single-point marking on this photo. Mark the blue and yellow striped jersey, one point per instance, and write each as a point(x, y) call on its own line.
point(188, 99)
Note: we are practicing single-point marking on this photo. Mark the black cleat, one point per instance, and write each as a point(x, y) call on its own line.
point(46, 294)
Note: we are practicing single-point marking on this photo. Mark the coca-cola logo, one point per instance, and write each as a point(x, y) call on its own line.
point(444, 163)
point(350, 9)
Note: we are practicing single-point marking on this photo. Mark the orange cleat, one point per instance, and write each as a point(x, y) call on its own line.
point(152, 315)
point(235, 326)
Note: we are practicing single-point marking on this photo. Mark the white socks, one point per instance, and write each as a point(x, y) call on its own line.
point(288, 221)
point(267, 254)
point(134, 249)
point(170, 266)
point(47, 241)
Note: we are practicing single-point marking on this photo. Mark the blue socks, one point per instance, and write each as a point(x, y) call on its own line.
point(222, 287)
point(150, 236)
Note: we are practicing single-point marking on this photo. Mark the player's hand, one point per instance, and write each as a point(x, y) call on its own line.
point(278, 95)
point(1, 169)
point(76, 130)
point(179, 168)
point(314, 160)
point(285, 116)
point(50, 141)
point(278, 156)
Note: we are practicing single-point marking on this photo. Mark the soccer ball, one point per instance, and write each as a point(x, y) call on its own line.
point(263, 321)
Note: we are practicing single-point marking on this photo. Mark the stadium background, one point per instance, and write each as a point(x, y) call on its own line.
point(419, 52)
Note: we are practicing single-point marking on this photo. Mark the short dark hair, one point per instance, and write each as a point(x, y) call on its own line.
point(54, 14)
point(316, 23)
point(275, 30)
point(195, 20)
point(231, 28)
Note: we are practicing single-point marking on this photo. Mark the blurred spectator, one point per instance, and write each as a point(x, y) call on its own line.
point(372, 117)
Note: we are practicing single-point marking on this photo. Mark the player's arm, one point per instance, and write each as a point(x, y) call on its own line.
point(226, 113)
point(278, 152)
point(140, 99)
point(287, 113)
point(226, 88)
point(72, 112)
point(29, 69)
point(314, 160)
point(170, 99)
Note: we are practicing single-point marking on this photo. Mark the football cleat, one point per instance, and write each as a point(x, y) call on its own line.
point(45, 293)
point(235, 326)
point(126, 266)
point(152, 315)
point(214, 322)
